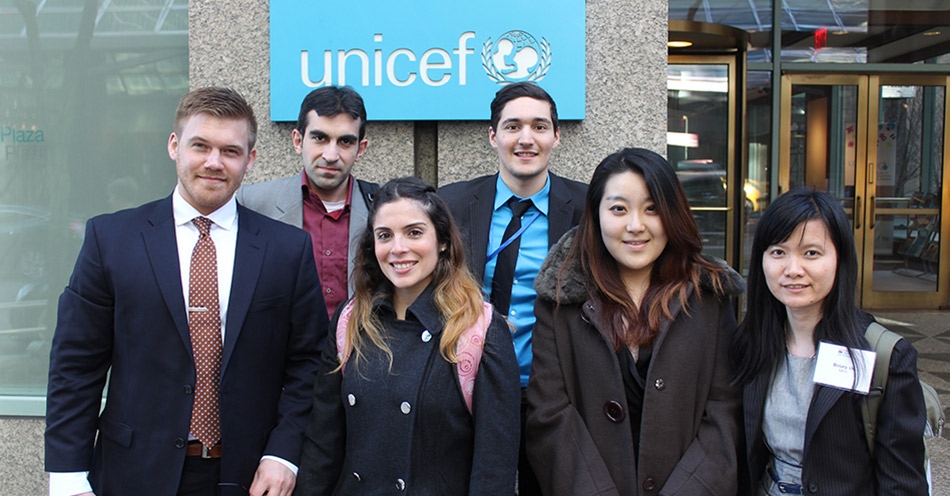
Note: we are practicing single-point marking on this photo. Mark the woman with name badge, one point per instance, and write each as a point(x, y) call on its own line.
point(418, 391)
point(629, 391)
point(800, 354)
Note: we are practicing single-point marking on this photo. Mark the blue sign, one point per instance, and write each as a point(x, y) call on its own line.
point(426, 59)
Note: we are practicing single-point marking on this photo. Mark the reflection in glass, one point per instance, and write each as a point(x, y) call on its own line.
point(863, 31)
point(83, 128)
point(697, 144)
point(753, 16)
point(759, 133)
point(833, 31)
point(823, 140)
point(908, 174)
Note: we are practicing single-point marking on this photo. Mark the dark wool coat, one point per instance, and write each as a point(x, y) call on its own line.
point(372, 433)
point(837, 461)
point(578, 431)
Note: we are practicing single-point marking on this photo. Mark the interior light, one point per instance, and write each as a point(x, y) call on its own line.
point(931, 33)
point(679, 44)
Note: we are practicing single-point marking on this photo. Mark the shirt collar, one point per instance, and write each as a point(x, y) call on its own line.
point(423, 310)
point(224, 217)
point(305, 188)
point(540, 199)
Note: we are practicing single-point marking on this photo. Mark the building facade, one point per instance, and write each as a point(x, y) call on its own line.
point(847, 96)
point(87, 97)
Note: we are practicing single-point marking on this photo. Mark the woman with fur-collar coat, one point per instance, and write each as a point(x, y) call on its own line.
point(581, 434)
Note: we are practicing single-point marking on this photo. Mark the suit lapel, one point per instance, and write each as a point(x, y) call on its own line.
point(559, 205)
point(821, 402)
point(162, 248)
point(479, 218)
point(359, 210)
point(248, 258)
point(753, 404)
point(289, 203)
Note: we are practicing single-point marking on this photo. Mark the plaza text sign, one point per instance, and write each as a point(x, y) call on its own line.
point(424, 59)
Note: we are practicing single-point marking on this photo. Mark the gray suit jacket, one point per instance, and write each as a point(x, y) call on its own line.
point(282, 200)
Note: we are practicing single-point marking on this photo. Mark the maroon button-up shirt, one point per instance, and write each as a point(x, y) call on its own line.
point(330, 233)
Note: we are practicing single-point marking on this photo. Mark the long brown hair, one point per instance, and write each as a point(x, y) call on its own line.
point(457, 296)
point(680, 264)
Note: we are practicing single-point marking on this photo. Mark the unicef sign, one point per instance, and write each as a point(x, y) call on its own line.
point(427, 60)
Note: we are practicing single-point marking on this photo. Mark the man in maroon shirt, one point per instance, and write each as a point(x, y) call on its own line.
point(325, 199)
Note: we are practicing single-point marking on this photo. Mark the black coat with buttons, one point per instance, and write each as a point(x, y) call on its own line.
point(579, 440)
point(407, 430)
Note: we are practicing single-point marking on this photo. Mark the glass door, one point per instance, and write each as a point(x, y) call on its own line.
point(877, 144)
point(905, 180)
point(701, 137)
point(823, 125)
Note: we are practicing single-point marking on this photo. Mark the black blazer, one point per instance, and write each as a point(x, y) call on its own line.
point(836, 457)
point(123, 312)
point(472, 202)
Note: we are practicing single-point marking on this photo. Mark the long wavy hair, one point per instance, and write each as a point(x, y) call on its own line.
point(679, 266)
point(457, 296)
point(760, 342)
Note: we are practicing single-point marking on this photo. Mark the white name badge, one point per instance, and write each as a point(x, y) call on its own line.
point(835, 369)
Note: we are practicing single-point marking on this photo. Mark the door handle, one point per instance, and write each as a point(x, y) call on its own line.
point(871, 206)
point(872, 171)
point(858, 213)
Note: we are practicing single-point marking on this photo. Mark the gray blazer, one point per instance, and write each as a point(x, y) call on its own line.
point(282, 200)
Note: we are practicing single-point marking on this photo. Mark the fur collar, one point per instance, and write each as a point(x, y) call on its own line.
point(574, 291)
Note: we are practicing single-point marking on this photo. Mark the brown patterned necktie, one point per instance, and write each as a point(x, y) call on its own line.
point(204, 325)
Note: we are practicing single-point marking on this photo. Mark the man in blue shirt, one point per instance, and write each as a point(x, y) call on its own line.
point(506, 252)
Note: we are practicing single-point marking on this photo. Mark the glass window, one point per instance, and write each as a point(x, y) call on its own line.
point(908, 175)
point(753, 16)
point(87, 99)
point(862, 31)
point(698, 144)
point(759, 137)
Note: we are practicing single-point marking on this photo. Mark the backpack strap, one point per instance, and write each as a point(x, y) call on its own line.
point(342, 352)
point(882, 343)
point(469, 350)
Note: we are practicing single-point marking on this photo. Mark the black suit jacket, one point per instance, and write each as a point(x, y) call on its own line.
point(123, 312)
point(473, 201)
point(836, 457)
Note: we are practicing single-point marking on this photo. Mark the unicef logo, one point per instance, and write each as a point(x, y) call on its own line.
point(516, 56)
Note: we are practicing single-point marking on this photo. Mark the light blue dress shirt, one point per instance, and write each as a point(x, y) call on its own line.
point(531, 252)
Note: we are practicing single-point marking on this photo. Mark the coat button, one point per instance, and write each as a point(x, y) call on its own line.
point(426, 336)
point(351, 399)
point(179, 443)
point(405, 408)
point(356, 476)
point(649, 484)
point(813, 487)
point(613, 411)
point(188, 389)
point(659, 385)
point(400, 484)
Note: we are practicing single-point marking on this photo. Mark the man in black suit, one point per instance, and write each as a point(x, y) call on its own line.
point(206, 317)
point(506, 250)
